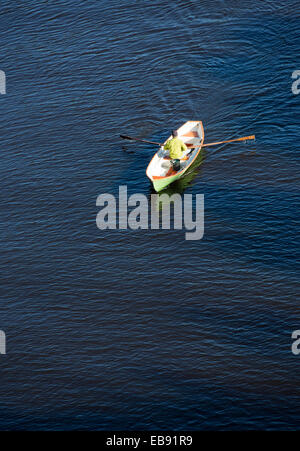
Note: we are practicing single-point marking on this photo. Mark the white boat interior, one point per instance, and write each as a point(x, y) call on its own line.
point(191, 133)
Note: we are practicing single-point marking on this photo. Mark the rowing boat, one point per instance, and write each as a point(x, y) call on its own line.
point(160, 170)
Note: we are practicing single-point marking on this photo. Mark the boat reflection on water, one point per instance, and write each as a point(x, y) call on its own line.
point(181, 184)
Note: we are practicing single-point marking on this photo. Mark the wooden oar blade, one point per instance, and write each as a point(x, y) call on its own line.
point(126, 137)
point(131, 138)
point(246, 138)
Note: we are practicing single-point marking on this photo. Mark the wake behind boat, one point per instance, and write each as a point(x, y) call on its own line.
point(160, 170)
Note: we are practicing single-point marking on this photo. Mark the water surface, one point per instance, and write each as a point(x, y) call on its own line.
point(144, 330)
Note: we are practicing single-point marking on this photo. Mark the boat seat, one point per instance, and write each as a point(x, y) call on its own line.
point(191, 135)
point(168, 174)
point(185, 158)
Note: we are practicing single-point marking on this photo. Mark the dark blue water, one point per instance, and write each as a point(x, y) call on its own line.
point(143, 329)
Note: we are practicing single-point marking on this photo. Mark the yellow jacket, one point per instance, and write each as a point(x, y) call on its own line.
point(176, 147)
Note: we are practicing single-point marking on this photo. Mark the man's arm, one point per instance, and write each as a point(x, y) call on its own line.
point(166, 146)
point(183, 146)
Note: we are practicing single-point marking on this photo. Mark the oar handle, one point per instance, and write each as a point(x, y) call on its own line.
point(131, 138)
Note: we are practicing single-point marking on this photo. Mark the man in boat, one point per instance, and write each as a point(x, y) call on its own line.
point(175, 146)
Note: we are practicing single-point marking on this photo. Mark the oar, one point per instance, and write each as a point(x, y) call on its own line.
point(245, 138)
point(139, 139)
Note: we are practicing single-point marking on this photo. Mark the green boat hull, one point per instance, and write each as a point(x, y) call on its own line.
point(160, 184)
